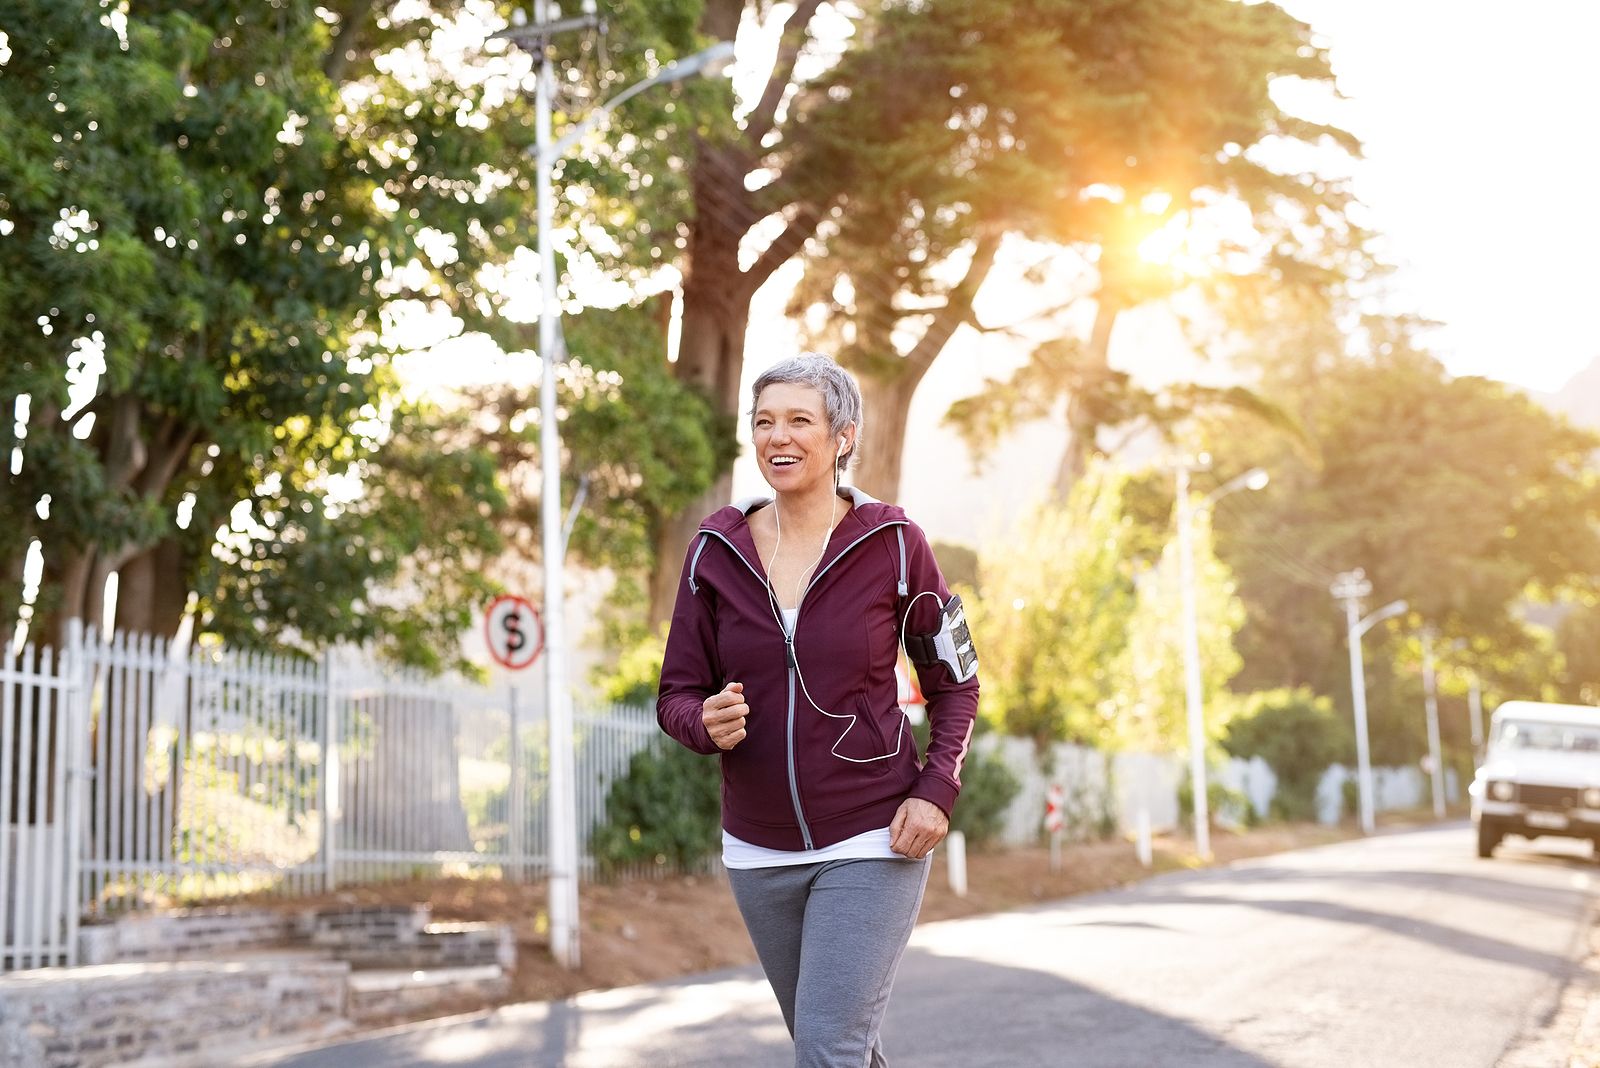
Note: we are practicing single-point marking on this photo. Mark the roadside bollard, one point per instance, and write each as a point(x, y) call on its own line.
point(955, 845)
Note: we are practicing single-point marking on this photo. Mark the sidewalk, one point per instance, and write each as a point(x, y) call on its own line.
point(1565, 1032)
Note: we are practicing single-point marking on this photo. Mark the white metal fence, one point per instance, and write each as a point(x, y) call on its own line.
point(1108, 791)
point(41, 733)
point(133, 775)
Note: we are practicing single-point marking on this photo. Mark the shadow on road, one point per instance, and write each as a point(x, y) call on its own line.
point(1551, 900)
point(1467, 943)
point(988, 1014)
point(946, 1013)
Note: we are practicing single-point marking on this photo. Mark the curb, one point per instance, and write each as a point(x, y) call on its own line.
point(1564, 1030)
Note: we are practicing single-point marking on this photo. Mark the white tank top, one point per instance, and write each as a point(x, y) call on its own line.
point(868, 845)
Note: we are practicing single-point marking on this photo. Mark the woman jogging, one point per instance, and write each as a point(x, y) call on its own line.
point(781, 659)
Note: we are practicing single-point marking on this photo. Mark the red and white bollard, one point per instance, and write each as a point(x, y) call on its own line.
point(1054, 821)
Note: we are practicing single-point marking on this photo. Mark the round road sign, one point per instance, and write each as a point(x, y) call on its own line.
point(514, 630)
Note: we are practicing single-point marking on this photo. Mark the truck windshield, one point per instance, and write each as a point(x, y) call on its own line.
point(1525, 734)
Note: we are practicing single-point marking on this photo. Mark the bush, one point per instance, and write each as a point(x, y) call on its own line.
point(1223, 803)
point(1299, 735)
point(636, 675)
point(667, 811)
point(987, 789)
point(1350, 799)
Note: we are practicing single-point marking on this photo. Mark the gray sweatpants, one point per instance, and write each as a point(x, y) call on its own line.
point(830, 937)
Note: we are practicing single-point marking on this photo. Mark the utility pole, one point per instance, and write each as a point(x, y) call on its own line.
point(1475, 714)
point(563, 837)
point(1474, 704)
point(1194, 696)
point(562, 806)
point(1191, 671)
point(1430, 689)
point(1350, 587)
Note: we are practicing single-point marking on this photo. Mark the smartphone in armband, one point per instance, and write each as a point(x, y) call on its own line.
point(950, 645)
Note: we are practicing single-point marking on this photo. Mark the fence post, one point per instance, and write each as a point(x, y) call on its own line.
point(517, 796)
point(328, 793)
point(76, 712)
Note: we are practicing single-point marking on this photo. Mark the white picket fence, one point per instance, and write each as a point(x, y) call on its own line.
point(134, 776)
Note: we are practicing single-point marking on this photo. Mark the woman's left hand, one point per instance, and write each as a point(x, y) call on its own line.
point(917, 828)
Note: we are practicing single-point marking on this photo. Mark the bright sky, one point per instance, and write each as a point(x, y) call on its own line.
point(1482, 129)
point(1482, 158)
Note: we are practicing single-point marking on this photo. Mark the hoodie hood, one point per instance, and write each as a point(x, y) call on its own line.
point(866, 515)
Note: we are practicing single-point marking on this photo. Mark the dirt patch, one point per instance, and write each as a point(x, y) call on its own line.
point(651, 929)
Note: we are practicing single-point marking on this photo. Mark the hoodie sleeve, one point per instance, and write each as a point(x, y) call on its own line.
point(690, 671)
point(952, 706)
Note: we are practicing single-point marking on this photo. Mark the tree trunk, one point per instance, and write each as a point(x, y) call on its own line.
point(716, 313)
point(151, 593)
point(1080, 427)
point(73, 580)
point(887, 400)
point(888, 405)
point(716, 293)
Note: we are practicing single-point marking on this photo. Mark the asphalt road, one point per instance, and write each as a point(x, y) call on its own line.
point(1402, 950)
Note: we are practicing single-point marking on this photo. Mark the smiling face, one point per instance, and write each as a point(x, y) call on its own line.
point(794, 445)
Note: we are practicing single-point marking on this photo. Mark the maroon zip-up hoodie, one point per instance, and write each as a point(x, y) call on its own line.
point(827, 753)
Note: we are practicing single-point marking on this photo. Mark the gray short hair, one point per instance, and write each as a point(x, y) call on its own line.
point(841, 397)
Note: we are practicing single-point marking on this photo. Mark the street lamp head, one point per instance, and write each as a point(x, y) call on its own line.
point(1253, 479)
point(709, 62)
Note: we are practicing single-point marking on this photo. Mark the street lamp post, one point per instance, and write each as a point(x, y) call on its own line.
point(562, 804)
point(1430, 701)
point(1194, 700)
point(1474, 703)
point(1475, 717)
point(1350, 587)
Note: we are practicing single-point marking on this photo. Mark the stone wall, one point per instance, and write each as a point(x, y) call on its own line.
point(174, 1013)
point(186, 935)
point(181, 989)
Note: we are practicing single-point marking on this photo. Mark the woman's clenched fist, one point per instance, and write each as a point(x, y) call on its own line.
point(724, 713)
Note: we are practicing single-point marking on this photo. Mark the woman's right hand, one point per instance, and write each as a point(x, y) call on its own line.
point(723, 714)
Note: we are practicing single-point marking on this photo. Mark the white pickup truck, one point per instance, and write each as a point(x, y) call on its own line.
point(1541, 774)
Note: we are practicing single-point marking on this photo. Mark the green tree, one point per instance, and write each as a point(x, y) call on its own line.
point(1150, 697)
point(1299, 735)
point(1093, 126)
point(217, 206)
point(1579, 640)
point(1057, 602)
point(234, 208)
point(941, 128)
point(637, 443)
point(1457, 494)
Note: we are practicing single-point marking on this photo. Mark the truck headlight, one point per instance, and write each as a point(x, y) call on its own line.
point(1591, 797)
point(1502, 791)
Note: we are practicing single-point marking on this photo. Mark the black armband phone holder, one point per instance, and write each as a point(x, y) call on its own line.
point(950, 645)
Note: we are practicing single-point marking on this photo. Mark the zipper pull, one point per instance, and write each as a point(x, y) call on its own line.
point(788, 646)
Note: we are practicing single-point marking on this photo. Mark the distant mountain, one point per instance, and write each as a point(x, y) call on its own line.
point(1579, 399)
